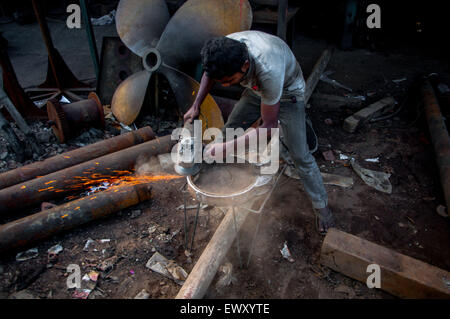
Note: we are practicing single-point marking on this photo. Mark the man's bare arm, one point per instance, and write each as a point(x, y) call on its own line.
point(269, 116)
point(206, 84)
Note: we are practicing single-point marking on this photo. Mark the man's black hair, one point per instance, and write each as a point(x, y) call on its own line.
point(223, 57)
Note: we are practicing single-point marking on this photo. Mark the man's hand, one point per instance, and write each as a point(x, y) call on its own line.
point(191, 114)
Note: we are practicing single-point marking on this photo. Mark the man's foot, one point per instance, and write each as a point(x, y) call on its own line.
point(324, 219)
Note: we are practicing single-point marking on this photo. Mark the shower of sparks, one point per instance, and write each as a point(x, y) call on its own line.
point(95, 182)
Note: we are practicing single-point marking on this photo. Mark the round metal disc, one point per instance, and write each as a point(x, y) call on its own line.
point(56, 114)
point(197, 21)
point(140, 23)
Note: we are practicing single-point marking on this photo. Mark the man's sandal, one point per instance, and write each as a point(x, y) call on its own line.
point(326, 217)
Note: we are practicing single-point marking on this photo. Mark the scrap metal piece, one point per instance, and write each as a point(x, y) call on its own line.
point(68, 119)
point(42, 225)
point(77, 156)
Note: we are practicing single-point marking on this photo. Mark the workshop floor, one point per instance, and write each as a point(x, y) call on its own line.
point(405, 220)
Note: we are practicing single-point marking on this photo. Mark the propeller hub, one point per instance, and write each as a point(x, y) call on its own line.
point(152, 60)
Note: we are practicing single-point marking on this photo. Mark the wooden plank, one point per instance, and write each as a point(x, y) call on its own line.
point(213, 255)
point(317, 71)
point(282, 19)
point(352, 122)
point(337, 180)
point(401, 275)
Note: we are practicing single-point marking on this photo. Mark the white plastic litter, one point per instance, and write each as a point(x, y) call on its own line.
point(373, 160)
point(29, 254)
point(286, 253)
point(55, 249)
point(343, 157)
point(88, 243)
point(399, 80)
point(125, 127)
point(64, 99)
point(105, 20)
point(377, 180)
point(168, 268)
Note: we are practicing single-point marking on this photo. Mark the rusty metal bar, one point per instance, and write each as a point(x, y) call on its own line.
point(75, 157)
point(439, 137)
point(70, 180)
point(38, 226)
point(13, 89)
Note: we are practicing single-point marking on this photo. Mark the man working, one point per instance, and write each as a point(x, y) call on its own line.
point(275, 87)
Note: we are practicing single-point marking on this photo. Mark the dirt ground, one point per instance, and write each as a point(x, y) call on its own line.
point(405, 220)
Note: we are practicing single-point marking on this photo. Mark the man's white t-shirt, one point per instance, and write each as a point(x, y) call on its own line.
point(274, 72)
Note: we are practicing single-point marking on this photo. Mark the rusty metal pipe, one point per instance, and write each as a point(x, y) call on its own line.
point(439, 137)
point(66, 181)
point(75, 157)
point(38, 226)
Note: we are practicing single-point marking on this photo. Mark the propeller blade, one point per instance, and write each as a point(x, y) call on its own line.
point(185, 89)
point(197, 21)
point(140, 23)
point(129, 96)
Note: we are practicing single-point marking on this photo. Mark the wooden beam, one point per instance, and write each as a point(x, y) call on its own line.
point(270, 16)
point(205, 269)
point(317, 71)
point(352, 122)
point(401, 275)
point(282, 19)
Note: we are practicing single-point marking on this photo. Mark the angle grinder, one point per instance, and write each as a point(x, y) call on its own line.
point(190, 150)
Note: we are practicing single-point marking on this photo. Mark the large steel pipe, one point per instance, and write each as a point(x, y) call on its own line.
point(75, 157)
point(79, 177)
point(32, 228)
point(439, 137)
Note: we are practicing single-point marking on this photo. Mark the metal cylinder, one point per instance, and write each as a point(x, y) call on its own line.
point(70, 180)
point(439, 136)
point(38, 226)
point(75, 157)
point(68, 119)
